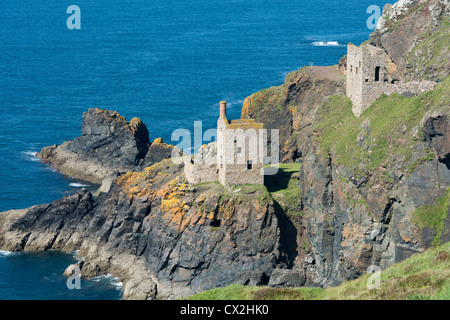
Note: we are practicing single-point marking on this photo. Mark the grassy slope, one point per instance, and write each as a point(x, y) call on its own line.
point(431, 50)
point(423, 276)
point(391, 120)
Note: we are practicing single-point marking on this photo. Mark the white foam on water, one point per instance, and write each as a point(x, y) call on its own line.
point(7, 253)
point(78, 185)
point(113, 281)
point(326, 44)
point(30, 155)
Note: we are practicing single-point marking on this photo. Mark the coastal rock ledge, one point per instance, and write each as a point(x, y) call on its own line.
point(108, 144)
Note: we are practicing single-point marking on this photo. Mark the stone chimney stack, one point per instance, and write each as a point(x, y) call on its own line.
point(223, 108)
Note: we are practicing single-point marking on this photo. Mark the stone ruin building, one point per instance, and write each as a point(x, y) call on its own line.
point(370, 73)
point(236, 158)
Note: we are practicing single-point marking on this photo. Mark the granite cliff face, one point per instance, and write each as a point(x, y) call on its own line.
point(374, 189)
point(291, 107)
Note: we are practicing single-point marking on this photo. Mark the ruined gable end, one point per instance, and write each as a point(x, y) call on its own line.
point(365, 75)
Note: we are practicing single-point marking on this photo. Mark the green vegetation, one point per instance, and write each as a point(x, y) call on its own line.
point(422, 276)
point(430, 52)
point(240, 292)
point(391, 121)
point(284, 188)
point(433, 216)
point(293, 76)
point(257, 104)
point(414, 165)
point(262, 101)
point(239, 192)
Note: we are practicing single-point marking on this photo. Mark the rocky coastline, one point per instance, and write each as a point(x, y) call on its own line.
point(368, 191)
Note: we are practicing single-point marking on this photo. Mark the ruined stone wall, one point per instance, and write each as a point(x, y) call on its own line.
point(412, 88)
point(238, 174)
point(365, 76)
point(354, 77)
point(198, 173)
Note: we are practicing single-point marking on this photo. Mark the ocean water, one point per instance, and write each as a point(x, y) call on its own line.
point(39, 276)
point(168, 62)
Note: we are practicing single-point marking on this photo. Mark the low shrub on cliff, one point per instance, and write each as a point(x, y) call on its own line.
point(422, 276)
point(285, 188)
point(434, 216)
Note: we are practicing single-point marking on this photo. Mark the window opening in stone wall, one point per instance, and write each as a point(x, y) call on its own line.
point(377, 73)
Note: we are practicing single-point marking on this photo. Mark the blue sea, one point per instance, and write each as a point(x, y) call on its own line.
point(168, 62)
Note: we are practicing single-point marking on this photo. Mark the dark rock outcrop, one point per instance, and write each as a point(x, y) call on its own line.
point(108, 144)
point(415, 36)
point(111, 140)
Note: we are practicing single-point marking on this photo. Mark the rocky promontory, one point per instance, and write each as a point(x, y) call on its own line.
point(108, 144)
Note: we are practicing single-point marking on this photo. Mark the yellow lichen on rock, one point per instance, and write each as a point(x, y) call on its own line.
point(158, 140)
point(140, 183)
point(171, 195)
point(110, 114)
point(134, 125)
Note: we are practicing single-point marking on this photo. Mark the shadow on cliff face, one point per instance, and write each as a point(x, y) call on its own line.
point(288, 235)
point(279, 181)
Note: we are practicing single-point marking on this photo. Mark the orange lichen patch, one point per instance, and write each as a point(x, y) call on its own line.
point(228, 208)
point(406, 239)
point(175, 219)
point(248, 102)
point(134, 125)
point(261, 210)
point(158, 140)
point(245, 126)
point(114, 116)
point(353, 235)
point(135, 189)
point(345, 232)
point(173, 205)
point(110, 115)
point(171, 197)
point(242, 121)
point(140, 183)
